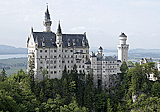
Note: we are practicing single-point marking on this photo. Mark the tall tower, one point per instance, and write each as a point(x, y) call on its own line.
point(59, 50)
point(123, 48)
point(47, 22)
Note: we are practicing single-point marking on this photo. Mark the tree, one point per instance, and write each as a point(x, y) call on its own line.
point(109, 106)
point(119, 108)
point(156, 89)
point(89, 92)
point(124, 67)
point(130, 63)
point(3, 75)
point(30, 75)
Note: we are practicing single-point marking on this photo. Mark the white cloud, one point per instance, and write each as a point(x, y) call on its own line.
point(146, 3)
point(26, 18)
point(77, 29)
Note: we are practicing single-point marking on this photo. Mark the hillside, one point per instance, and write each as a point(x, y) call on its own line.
point(5, 49)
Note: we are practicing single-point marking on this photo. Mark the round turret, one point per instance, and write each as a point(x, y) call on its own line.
point(122, 38)
point(100, 50)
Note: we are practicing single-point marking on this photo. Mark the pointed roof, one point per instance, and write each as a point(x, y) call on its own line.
point(100, 48)
point(122, 34)
point(47, 15)
point(59, 31)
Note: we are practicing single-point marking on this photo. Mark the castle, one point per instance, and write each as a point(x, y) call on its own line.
point(53, 51)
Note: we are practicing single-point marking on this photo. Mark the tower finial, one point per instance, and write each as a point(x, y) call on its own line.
point(47, 6)
point(59, 28)
point(47, 22)
point(31, 29)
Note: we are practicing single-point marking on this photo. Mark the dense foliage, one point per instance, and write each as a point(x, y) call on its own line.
point(76, 92)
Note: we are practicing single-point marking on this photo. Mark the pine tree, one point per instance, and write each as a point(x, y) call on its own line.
point(109, 106)
point(124, 67)
point(3, 75)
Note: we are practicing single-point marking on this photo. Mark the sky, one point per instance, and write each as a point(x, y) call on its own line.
point(102, 20)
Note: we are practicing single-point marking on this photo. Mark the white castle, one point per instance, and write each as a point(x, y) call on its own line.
point(53, 51)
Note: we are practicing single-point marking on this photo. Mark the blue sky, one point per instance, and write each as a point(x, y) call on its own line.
point(103, 20)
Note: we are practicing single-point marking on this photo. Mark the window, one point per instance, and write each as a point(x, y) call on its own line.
point(51, 67)
point(45, 56)
point(54, 62)
point(47, 67)
point(81, 51)
point(83, 56)
point(51, 51)
point(63, 61)
point(71, 61)
point(54, 66)
point(51, 72)
point(79, 66)
point(51, 56)
point(71, 56)
point(71, 50)
point(83, 66)
point(51, 62)
point(68, 66)
point(65, 50)
point(40, 67)
point(41, 62)
point(68, 61)
point(40, 50)
point(40, 56)
point(45, 50)
point(55, 71)
point(47, 62)
point(54, 56)
point(54, 50)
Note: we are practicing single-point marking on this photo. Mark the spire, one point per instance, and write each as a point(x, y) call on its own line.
point(59, 29)
point(123, 34)
point(31, 29)
point(47, 22)
point(47, 15)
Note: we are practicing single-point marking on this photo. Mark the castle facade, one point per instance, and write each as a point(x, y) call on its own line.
point(53, 51)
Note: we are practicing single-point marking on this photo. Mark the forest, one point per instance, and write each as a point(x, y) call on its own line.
point(75, 92)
